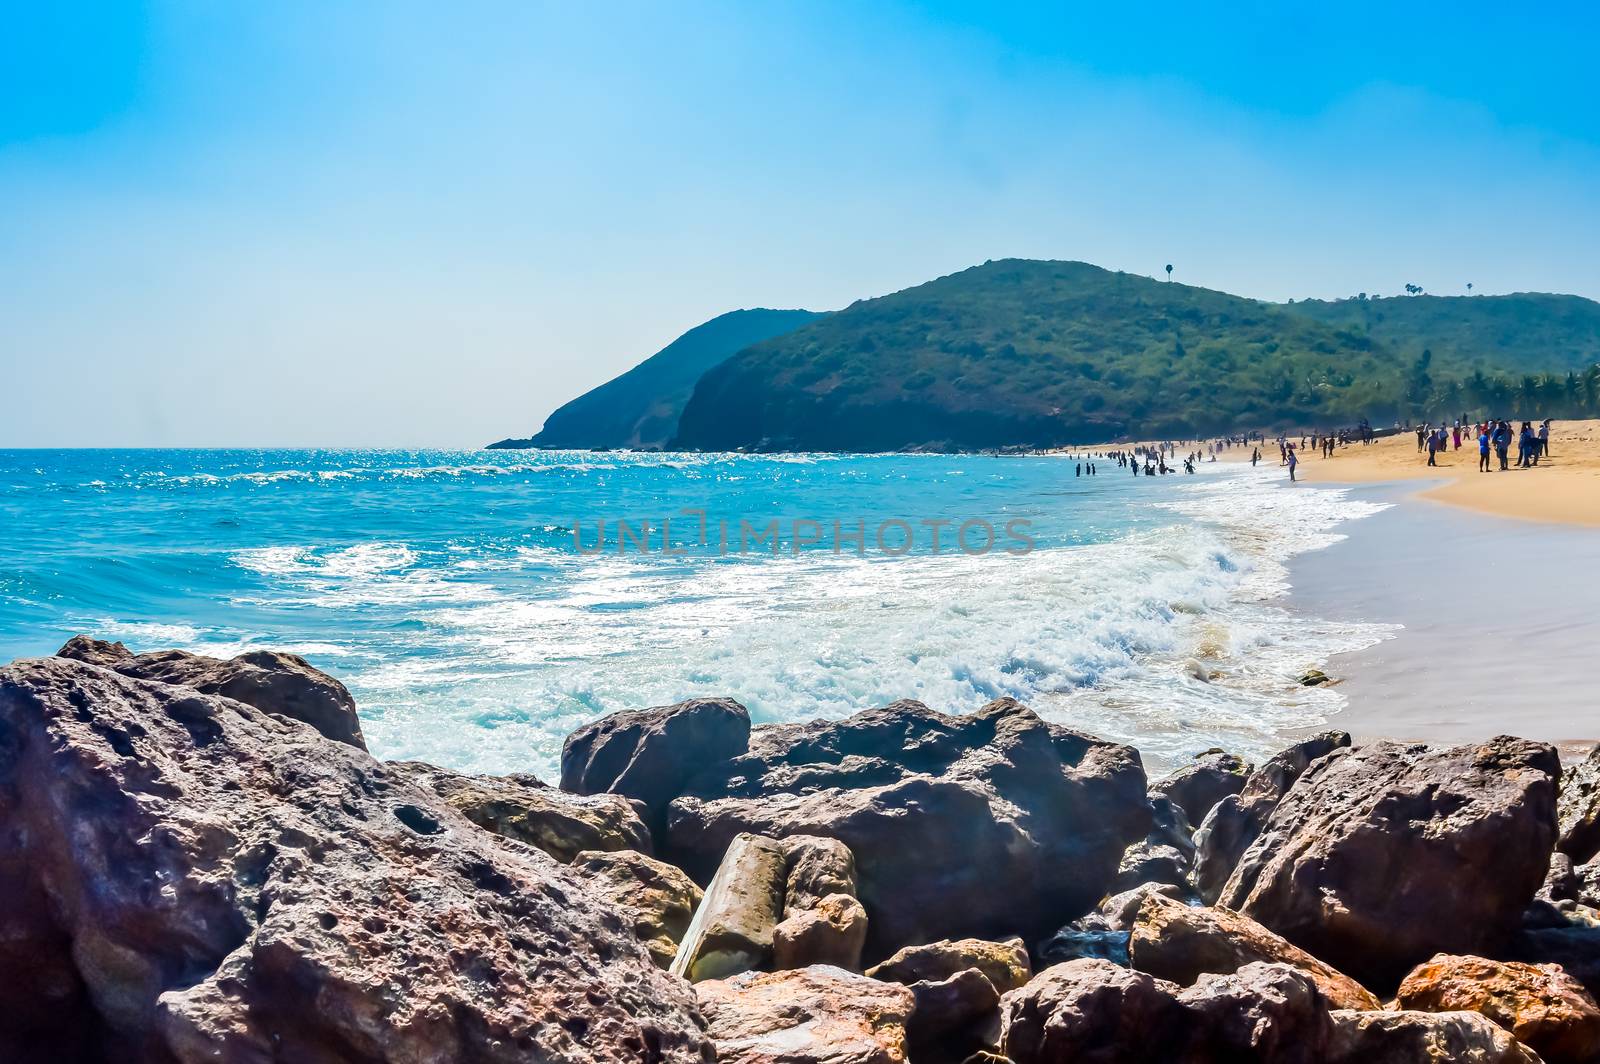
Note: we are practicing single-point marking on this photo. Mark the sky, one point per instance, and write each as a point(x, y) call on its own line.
point(418, 224)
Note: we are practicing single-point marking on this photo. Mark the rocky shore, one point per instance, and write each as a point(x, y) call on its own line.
point(200, 861)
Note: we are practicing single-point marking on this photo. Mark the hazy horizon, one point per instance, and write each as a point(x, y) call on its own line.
point(376, 226)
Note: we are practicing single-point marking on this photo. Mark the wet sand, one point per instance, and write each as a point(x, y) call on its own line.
point(1499, 621)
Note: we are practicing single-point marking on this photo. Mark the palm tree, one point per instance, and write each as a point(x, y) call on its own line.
point(1169, 273)
point(1469, 288)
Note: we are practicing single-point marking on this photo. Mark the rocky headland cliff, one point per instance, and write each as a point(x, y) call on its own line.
point(200, 861)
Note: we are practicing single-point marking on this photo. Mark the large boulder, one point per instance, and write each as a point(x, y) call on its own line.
point(1422, 1038)
point(659, 898)
point(1227, 830)
point(991, 824)
point(818, 867)
point(1544, 1007)
point(1381, 856)
point(651, 754)
point(1262, 1012)
point(198, 880)
point(524, 808)
point(732, 930)
point(830, 932)
point(272, 682)
point(1173, 941)
point(1092, 1010)
point(1202, 783)
point(1578, 809)
point(1005, 964)
point(817, 1015)
point(957, 986)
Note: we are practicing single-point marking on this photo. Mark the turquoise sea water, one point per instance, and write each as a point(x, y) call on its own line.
point(448, 590)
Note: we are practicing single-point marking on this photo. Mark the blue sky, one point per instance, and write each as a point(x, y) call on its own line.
point(410, 224)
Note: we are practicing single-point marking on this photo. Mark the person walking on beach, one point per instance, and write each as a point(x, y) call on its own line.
point(1502, 443)
point(1293, 461)
point(1544, 439)
point(1483, 448)
point(1433, 448)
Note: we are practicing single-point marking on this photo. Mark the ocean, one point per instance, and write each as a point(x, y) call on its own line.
point(472, 607)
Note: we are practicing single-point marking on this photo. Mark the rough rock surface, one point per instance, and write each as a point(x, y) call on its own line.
point(1265, 1012)
point(952, 1014)
point(522, 807)
point(1095, 1011)
point(990, 823)
point(732, 929)
point(816, 1015)
point(818, 867)
point(1579, 809)
point(650, 754)
point(957, 986)
point(1358, 862)
point(201, 880)
point(1422, 1038)
point(1120, 911)
point(831, 932)
point(1090, 1010)
point(1203, 782)
point(272, 682)
point(1544, 1007)
point(1179, 943)
point(1150, 862)
point(1005, 964)
point(659, 897)
point(1223, 834)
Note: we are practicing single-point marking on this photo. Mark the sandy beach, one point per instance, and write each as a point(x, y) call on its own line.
point(1564, 487)
point(1496, 633)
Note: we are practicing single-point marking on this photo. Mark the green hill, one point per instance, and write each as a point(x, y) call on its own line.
point(640, 408)
point(1021, 352)
point(1528, 332)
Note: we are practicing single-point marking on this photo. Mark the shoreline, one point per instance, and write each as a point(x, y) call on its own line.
point(1490, 638)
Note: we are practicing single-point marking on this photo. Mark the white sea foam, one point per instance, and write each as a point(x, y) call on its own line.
point(1109, 637)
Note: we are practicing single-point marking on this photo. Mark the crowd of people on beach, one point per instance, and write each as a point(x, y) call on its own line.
point(1491, 435)
point(1494, 437)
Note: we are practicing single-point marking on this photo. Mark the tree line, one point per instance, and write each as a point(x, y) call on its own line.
point(1537, 395)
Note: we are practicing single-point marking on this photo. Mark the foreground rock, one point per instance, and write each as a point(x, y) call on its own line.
point(191, 879)
point(1423, 1038)
point(272, 682)
point(817, 1015)
point(660, 898)
point(522, 807)
point(990, 824)
point(1544, 1007)
point(1381, 856)
point(732, 929)
point(1579, 809)
point(1005, 964)
point(1175, 942)
point(1203, 782)
point(957, 986)
point(651, 754)
point(831, 932)
point(1267, 1013)
point(1095, 1011)
point(1222, 835)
